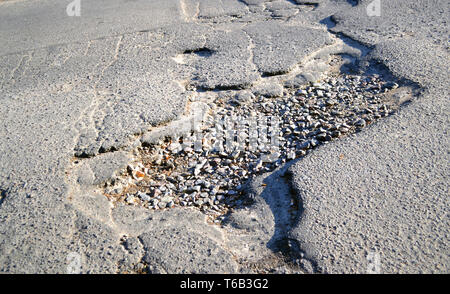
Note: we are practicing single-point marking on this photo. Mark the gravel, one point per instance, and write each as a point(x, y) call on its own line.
point(196, 171)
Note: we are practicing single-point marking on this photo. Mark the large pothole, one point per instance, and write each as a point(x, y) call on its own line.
point(244, 135)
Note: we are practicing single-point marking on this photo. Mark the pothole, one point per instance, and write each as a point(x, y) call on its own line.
point(246, 135)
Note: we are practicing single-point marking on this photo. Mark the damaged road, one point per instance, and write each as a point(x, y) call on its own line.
point(80, 97)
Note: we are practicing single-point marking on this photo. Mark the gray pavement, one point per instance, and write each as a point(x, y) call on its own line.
point(385, 190)
point(80, 93)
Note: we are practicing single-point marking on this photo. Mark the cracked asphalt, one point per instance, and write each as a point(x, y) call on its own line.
point(80, 93)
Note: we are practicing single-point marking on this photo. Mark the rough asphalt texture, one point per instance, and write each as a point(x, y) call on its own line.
point(385, 190)
point(93, 85)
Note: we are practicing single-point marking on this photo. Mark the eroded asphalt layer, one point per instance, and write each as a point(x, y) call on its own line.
point(209, 169)
point(98, 159)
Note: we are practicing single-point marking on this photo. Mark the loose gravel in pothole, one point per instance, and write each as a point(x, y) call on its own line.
point(207, 169)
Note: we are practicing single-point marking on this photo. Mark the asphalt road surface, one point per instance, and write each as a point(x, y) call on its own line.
point(80, 93)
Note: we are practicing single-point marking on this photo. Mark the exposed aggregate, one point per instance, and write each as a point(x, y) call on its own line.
point(194, 172)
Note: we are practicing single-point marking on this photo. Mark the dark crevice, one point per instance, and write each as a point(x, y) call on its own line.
point(243, 2)
point(202, 52)
point(106, 150)
point(2, 196)
point(274, 73)
point(290, 248)
point(314, 5)
point(223, 87)
point(83, 155)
